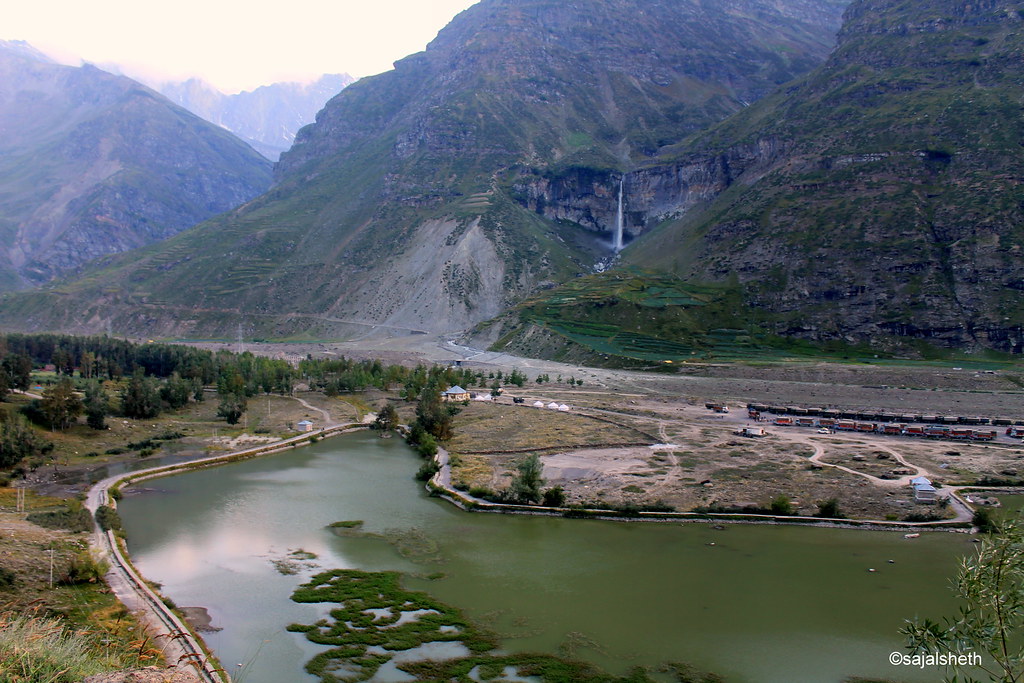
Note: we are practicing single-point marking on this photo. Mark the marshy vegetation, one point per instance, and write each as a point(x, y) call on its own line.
point(376, 619)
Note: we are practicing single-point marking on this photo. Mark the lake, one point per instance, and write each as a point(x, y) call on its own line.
point(753, 603)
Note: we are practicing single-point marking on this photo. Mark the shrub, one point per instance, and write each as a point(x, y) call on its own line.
point(107, 518)
point(427, 470)
point(74, 517)
point(7, 577)
point(922, 517)
point(84, 568)
point(554, 497)
point(830, 509)
point(782, 506)
point(427, 446)
point(985, 521)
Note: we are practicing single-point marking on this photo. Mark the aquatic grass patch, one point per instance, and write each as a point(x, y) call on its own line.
point(346, 524)
point(376, 618)
point(368, 615)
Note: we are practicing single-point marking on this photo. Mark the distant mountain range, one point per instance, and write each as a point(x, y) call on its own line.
point(267, 117)
point(92, 164)
point(875, 199)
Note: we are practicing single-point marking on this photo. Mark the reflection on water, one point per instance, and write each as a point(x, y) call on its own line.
point(753, 603)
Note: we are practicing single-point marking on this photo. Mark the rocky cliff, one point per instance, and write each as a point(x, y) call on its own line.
point(93, 164)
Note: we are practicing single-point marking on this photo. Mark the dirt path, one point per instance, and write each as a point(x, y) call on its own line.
point(328, 422)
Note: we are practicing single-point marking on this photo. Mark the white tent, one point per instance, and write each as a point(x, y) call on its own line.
point(538, 404)
point(564, 408)
point(553, 405)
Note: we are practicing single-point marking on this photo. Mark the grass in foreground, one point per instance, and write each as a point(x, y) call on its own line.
point(43, 650)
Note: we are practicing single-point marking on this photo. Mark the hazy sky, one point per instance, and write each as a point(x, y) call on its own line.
point(233, 44)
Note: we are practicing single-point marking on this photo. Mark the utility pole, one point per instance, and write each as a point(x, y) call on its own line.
point(51, 567)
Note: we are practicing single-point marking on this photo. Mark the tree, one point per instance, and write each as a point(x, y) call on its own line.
point(140, 399)
point(19, 441)
point(432, 414)
point(60, 404)
point(990, 586)
point(175, 392)
point(387, 418)
point(17, 369)
point(525, 486)
point(87, 367)
point(96, 406)
point(231, 408)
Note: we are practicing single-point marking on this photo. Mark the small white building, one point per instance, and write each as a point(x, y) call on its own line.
point(925, 494)
point(455, 395)
point(305, 426)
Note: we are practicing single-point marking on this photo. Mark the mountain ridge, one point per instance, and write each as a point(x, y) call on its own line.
point(92, 163)
point(411, 176)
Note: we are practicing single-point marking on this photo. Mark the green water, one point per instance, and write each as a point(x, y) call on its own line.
point(763, 603)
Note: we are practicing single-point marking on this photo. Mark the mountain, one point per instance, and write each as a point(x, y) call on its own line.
point(411, 204)
point(92, 164)
point(267, 117)
point(881, 198)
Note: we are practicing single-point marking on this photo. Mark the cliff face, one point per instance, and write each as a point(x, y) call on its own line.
point(885, 199)
point(93, 164)
point(445, 139)
point(651, 195)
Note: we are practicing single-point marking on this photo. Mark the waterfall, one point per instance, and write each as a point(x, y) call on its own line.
point(617, 244)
